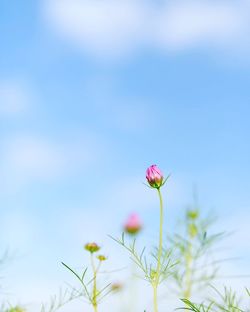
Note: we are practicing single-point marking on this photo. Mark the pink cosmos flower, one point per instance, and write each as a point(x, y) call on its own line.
point(133, 224)
point(154, 176)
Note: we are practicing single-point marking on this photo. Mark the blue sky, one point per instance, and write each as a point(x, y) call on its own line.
point(93, 92)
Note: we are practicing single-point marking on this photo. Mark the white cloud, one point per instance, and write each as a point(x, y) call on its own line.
point(114, 28)
point(14, 97)
point(101, 27)
point(26, 159)
point(33, 157)
point(185, 24)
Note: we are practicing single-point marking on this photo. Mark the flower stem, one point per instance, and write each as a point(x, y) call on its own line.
point(189, 260)
point(94, 295)
point(155, 299)
point(160, 238)
point(159, 256)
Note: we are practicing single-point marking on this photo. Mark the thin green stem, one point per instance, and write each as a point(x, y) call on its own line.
point(94, 295)
point(189, 260)
point(189, 263)
point(155, 299)
point(159, 256)
point(158, 271)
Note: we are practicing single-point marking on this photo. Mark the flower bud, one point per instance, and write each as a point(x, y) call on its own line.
point(133, 224)
point(116, 287)
point(192, 214)
point(92, 247)
point(153, 273)
point(154, 177)
point(101, 258)
point(192, 230)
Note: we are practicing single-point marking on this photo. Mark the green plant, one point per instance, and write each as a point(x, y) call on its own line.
point(160, 265)
point(89, 288)
point(196, 307)
point(225, 301)
point(197, 267)
point(58, 301)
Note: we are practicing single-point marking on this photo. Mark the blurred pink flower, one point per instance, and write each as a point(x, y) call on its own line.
point(133, 224)
point(154, 176)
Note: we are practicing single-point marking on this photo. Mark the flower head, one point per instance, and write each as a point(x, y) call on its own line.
point(101, 258)
point(116, 287)
point(133, 224)
point(154, 177)
point(92, 247)
point(192, 214)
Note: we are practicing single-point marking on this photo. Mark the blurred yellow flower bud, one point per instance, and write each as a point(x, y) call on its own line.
point(101, 258)
point(92, 247)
